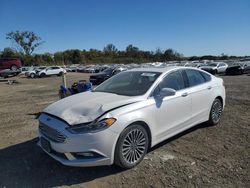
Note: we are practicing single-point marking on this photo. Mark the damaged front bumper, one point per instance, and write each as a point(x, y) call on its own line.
point(88, 149)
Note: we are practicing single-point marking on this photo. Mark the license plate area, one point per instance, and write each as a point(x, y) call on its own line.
point(45, 145)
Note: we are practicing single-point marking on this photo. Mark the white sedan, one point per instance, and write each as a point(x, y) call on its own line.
point(53, 70)
point(215, 67)
point(128, 114)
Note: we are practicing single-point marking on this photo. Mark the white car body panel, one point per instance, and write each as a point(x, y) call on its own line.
point(201, 107)
point(164, 119)
point(176, 111)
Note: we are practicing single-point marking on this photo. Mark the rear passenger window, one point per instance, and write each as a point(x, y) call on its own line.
point(206, 76)
point(195, 78)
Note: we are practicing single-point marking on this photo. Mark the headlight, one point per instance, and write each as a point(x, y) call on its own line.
point(92, 127)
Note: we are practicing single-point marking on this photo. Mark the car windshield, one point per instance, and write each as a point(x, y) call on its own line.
point(131, 83)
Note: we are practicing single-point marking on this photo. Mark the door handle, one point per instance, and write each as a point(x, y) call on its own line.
point(209, 87)
point(184, 94)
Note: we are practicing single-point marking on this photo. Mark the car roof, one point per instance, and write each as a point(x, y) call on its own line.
point(154, 69)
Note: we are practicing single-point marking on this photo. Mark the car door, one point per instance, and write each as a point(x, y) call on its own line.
point(200, 88)
point(222, 67)
point(172, 114)
point(56, 70)
point(49, 71)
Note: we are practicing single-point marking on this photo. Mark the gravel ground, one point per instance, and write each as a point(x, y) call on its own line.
point(200, 157)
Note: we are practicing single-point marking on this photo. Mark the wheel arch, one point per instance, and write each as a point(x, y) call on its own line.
point(14, 65)
point(220, 98)
point(138, 122)
point(144, 125)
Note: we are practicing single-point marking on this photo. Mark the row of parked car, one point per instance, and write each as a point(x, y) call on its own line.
point(42, 71)
point(11, 66)
point(236, 68)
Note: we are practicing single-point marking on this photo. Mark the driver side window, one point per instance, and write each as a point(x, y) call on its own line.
point(173, 80)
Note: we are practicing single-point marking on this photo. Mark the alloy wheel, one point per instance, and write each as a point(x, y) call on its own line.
point(134, 146)
point(216, 111)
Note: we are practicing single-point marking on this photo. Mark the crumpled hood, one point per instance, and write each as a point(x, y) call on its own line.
point(87, 106)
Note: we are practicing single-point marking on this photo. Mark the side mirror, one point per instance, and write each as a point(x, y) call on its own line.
point(165, 92)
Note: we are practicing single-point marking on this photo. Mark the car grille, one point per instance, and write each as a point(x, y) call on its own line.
point(51, 133)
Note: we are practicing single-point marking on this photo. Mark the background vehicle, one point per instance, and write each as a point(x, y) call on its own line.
point(198, 65)
point(33, 72)
point(71, 68)
point(10, 63)
point(53, 70)
point(215, 68)
point(128, 114)
point(119, 69)
point(235, 69)
point(81, 68)
point(25, 69)
point(98, 78)
point(9, 73)
point(246, 66)
point(91, 69)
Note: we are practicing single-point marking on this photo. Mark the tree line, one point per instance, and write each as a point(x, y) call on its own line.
point(27, 42)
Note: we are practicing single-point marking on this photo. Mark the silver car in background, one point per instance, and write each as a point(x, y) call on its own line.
point(215, 67)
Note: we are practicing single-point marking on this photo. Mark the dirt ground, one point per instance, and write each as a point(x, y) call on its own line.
point(201, 157)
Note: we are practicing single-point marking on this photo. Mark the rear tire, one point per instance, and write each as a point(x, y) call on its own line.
point(32, 75)
point(60, 74)
point(42, 75)
point(131, 146)
point(13, 68)
point(215, 112)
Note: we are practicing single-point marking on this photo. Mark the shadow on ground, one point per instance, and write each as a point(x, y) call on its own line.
point(35, 115)
point(199, 126)
point(26, 165)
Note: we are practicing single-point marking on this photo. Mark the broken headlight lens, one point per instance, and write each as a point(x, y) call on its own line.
point(92, 127)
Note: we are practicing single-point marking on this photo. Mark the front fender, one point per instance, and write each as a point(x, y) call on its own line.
point(141, 111)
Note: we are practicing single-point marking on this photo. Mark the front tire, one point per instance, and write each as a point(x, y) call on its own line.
point(32, 75)
point(13, 68)
point(131, 146)
point(215, 112)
